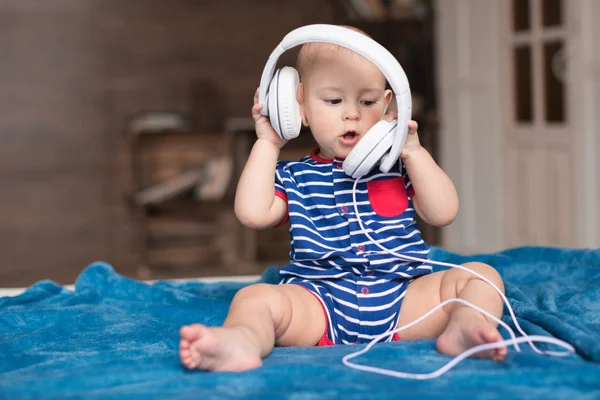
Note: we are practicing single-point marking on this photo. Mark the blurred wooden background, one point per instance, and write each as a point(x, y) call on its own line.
point(73, 73)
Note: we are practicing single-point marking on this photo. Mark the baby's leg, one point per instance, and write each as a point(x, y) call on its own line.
point(458, 327)
point(260, 316)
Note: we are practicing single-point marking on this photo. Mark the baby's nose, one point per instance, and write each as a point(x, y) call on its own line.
point(351, 113)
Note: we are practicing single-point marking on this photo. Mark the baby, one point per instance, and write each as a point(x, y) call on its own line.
point(340, 288)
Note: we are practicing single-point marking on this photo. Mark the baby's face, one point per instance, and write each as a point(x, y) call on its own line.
point(342, 96)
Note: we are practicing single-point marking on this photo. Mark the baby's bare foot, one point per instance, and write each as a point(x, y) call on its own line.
point(468, 328)
point(217, 349)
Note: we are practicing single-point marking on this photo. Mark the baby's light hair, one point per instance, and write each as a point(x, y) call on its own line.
point(310, 52)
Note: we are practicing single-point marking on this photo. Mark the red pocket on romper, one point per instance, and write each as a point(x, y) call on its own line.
point(388, 197)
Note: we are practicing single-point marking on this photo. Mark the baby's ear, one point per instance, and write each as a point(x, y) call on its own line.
point(300, 98)
point(387, 97)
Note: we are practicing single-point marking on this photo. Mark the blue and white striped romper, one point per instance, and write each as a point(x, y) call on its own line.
point(360, 286)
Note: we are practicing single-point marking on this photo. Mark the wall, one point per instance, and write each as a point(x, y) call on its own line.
point(72, 74)
point(51, 130)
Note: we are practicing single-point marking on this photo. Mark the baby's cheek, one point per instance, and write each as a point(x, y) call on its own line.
point(372, 120)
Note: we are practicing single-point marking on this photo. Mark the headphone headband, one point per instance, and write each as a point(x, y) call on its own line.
point(366, 47)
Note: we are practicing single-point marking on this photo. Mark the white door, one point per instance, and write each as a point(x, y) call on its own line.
point(584, 77)
point(539, 135)
point(519, 100)
point(471, 139)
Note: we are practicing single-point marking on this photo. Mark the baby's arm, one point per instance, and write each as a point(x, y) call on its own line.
point(435, 198)
point(256, 205)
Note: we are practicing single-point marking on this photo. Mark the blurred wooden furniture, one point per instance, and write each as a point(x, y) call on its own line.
point(184, 224)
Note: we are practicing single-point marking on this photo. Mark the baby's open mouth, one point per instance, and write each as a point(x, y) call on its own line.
point(349, 138)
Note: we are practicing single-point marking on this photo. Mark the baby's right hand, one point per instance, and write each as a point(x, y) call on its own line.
point(264, 129)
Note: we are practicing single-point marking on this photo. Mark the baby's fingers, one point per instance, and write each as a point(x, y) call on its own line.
point(412, 126)
point(256, 111)
point(256, 96)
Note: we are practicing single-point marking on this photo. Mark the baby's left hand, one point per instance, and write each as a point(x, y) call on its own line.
point(412, 143)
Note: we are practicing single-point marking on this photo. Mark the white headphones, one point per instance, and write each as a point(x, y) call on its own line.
point(384, 141)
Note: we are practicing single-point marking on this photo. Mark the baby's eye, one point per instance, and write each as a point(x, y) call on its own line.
point(368, 102)
point(333, 101)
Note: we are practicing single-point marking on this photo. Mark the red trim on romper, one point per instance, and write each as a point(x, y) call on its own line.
point(325, 341)
point(282, 196)
point(314, 155)
point(411, 192)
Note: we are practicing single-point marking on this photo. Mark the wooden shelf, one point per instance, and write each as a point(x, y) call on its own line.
point(177, 232)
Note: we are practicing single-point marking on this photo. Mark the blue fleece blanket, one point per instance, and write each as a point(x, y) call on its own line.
point(115, 337)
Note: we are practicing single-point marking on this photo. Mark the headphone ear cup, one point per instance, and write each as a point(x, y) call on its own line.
point(272, 104)
point(370, 149)
point(290, 119)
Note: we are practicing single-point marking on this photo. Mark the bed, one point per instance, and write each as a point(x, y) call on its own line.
point(109, 336)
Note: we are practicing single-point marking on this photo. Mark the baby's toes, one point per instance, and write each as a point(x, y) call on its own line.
point(187, 359)
point(500, 354)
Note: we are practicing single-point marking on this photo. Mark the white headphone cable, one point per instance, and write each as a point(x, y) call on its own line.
point(514, 341)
